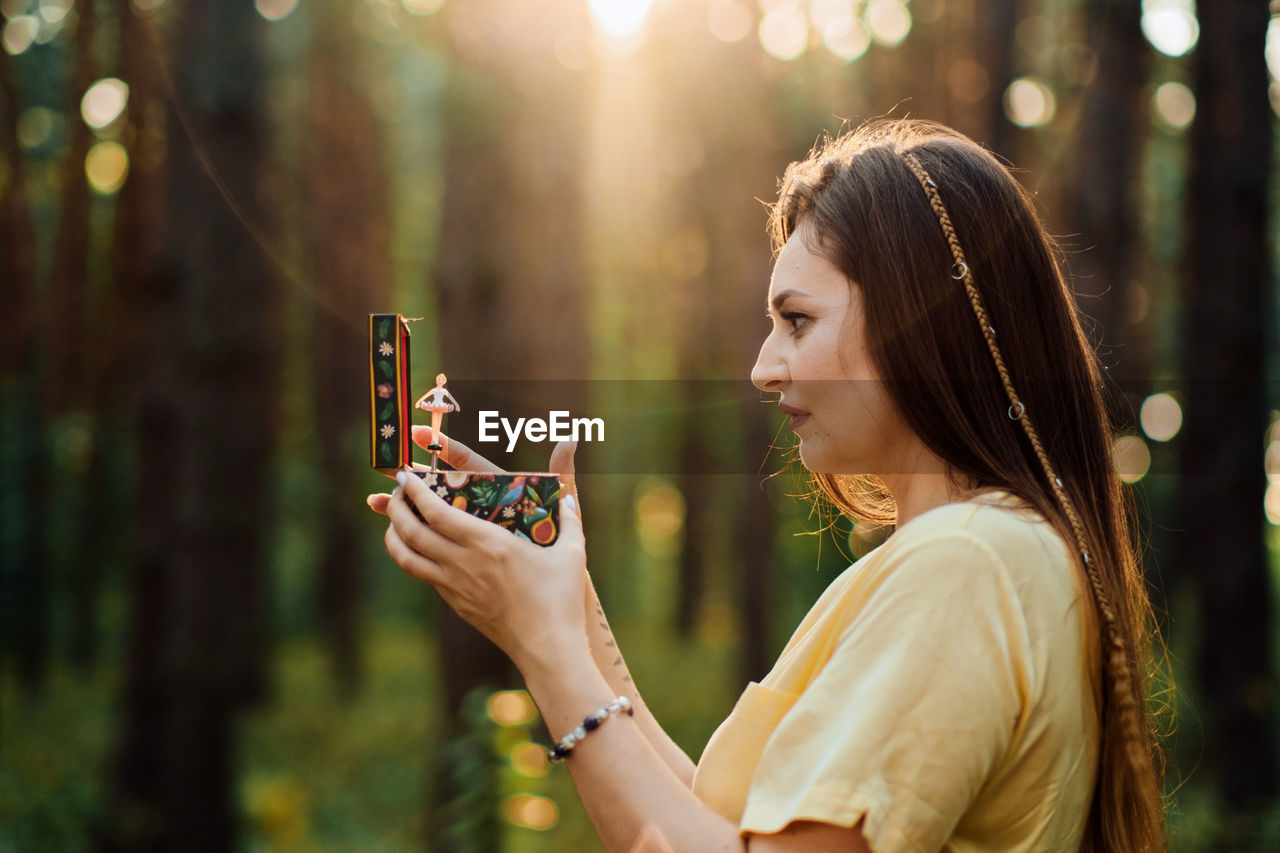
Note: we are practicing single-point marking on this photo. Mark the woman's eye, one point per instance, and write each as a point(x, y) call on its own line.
point(795, 320)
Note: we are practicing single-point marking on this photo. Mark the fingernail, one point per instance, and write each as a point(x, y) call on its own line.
point(571, 504)
point(401, 477)
point(395, 493)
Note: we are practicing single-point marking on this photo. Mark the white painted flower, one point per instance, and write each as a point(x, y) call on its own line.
point(388, 430)
point(508, 512)
point(442, 492)
point(385, 348)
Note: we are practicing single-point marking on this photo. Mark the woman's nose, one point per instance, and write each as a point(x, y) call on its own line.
point(769, 371)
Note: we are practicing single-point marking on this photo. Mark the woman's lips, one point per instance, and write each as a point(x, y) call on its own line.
point(798, 416)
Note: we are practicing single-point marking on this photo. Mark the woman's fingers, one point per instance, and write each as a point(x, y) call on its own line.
point(562, 463)
point(409, 560)
point(562, 458)
point(444, 521)
point(414, 532)
point(455, 454)
point(378, 503)
point(570, 521)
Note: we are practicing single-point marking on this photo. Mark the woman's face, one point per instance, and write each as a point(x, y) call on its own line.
point(816, 357)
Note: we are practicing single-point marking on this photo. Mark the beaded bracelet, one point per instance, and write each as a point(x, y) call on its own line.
point(562, 749)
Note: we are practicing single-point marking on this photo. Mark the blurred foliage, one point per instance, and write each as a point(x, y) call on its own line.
point(495, 167)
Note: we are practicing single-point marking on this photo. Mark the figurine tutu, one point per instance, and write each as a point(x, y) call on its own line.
point(438, 401)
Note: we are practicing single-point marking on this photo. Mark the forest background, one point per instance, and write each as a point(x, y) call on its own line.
point(202, 642)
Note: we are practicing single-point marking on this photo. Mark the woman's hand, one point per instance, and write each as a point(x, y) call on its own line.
point(526, 598)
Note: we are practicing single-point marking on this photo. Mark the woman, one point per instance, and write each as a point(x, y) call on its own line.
point(976, 682)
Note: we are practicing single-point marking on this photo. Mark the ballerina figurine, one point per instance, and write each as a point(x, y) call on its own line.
point(437, 401)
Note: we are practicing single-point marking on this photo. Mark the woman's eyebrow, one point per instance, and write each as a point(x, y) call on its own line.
point(779, 298)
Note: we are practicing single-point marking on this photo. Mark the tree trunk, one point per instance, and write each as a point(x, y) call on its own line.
point(1102, 201)
point(196, 649)
point(17, 320)
point(1229, 310)
point(24, 591)
point(1000, 19)
point(67, 330)
point(345, 205)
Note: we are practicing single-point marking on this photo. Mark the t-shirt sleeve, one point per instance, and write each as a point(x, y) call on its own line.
point(917, 703)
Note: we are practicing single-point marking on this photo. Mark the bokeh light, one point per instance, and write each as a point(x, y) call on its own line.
point(1272, 50)
point(728, 20)
point(660, 511)
point(1034, 35)
point(1175, 105)
point(511, 708)
point(1028, 102)
point(1170, 25)
point(1271, 500)
point(106, 166)
point(846, 37)
point(824, 13)
point(275, 10)
point(37, 126)
point(20, 33)
point(784, 32)
point(531, 812)
point(1272, 459)
point(1077, 63)
point(619, 17)
point(888, 21)
point(103, 102)
point(1132, 458)
point(54, 11)
point(1161, 417)
point(278, 807)
point(529, 759)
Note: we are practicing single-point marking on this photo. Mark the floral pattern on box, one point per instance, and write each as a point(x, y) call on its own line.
point(526, 504)
point(390, 408)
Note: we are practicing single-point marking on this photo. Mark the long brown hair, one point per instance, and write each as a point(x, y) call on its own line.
point(868, 194)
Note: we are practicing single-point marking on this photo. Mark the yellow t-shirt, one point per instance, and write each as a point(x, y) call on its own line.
point(944, 690)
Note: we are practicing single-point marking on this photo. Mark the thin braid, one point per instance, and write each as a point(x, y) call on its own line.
point(1118, 659)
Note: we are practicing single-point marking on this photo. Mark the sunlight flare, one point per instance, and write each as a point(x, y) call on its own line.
point(619, 17)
